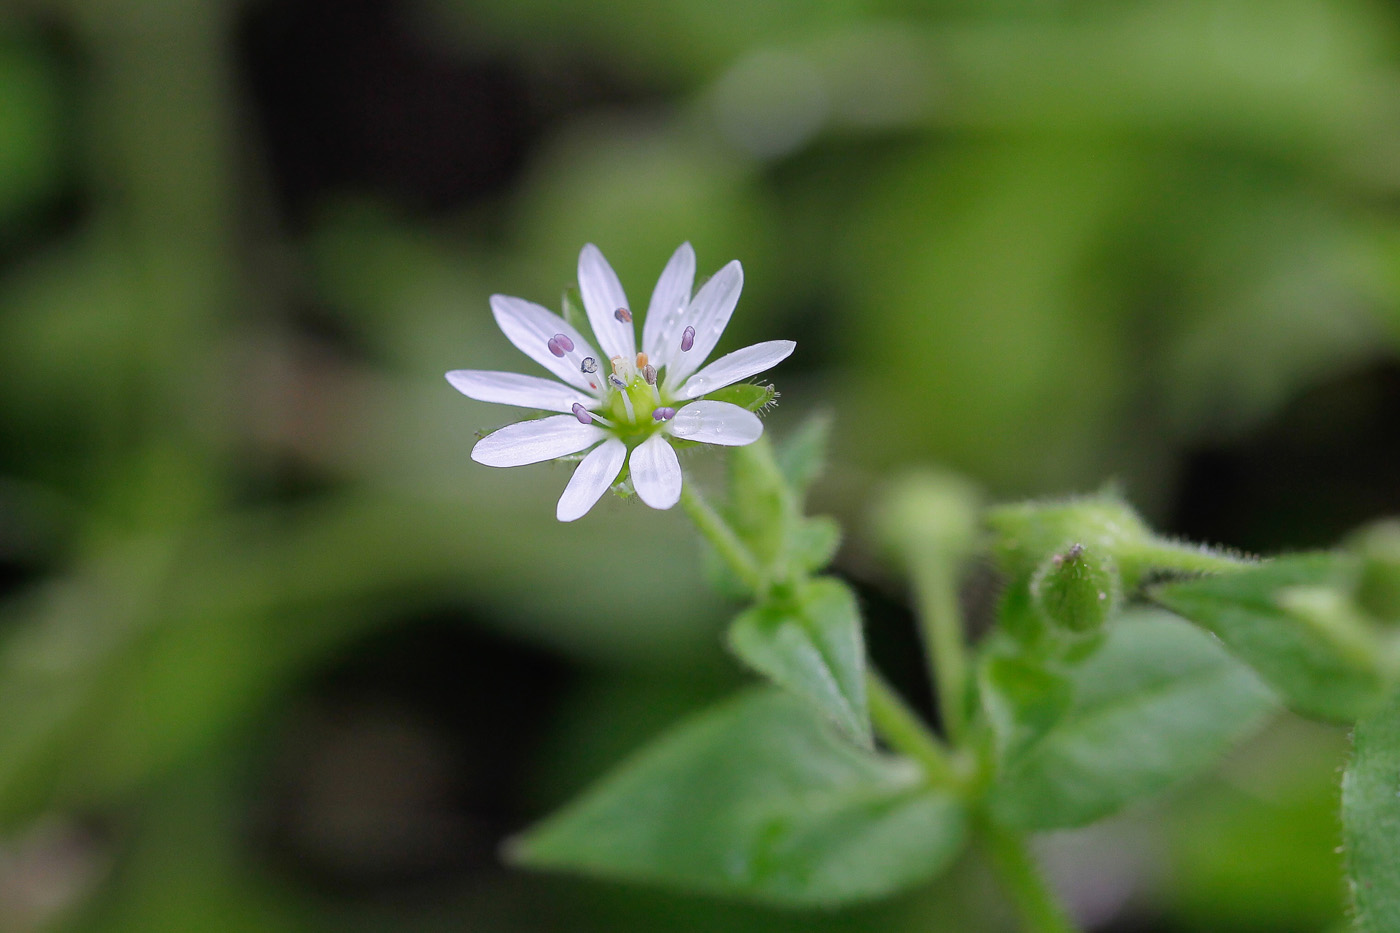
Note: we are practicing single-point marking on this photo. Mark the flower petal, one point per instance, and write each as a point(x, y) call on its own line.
point(516, 389)
point(741, 364)
point(530, 327)
point(533, 441)
point(713, 422)
point(592, 478)
point(709, 314)
point(656, 473)
point(661, 335)
point(602, 296)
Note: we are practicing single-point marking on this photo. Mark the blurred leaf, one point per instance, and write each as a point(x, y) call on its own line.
point(811, 645)
point(1023, 700)
point(1159, 702)
point(802, 454)
point(1322, 664)
point(31, 163)
point(1371, 821)
point(813, 542)
point(756, 798)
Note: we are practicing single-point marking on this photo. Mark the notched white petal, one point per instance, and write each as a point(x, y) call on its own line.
point(602, 297)
point(594, 475)
point(709, 314)
point(741, 364)
point(534, 441)
point(517, 389)
point(712, 422)
point(661, 334)
point(656, 473)
point(531, 327)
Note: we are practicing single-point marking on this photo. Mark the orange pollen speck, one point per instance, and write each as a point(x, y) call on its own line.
point(641, 361)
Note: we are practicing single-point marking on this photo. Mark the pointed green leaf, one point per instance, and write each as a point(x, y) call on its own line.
point(1371, 821)
point(759, 799)
point(1023, 700)
point(1320, 660)
point(1159, 702)
point(812, 646)
point(812, 543)
point(802, 455)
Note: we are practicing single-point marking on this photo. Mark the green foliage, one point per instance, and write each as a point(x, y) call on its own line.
point(1377, 548)
point(1022, 700)
point(1158, 703)
point(757, 798)
point(1371, 820)
point(811, 644)
point(1288, 620)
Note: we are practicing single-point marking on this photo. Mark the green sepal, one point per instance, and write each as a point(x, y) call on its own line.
point(1289, 621)
point(1159, 702)
point(759, 799)
point(810, 643)
point(745, 395)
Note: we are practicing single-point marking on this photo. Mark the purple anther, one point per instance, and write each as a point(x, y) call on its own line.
point(649, 374)
point(687, 338)
point(623, 315)
point(554, 347)
point(663, 414)
point(589, 365)
point(616, 380)
point(564, 342)
point(582, 414)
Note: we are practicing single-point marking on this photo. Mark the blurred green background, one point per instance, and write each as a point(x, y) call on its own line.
point(276, 655)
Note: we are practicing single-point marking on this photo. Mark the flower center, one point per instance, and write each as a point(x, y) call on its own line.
point(633, 406)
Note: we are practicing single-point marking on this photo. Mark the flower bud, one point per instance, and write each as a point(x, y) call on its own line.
point(929, 515)
point(1378, 576)
point(1077, 589)
point(1027, 533)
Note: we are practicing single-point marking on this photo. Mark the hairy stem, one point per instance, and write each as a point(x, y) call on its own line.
point(1037, 905)
point(721, 537)
point(902, 729)
point(940, 621)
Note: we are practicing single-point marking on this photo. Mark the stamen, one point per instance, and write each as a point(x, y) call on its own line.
point(687, 338)
point(583, 415)
point(589, 365)
point(648, 372)
point(641, 361)
point(623, 315)
point(564, 342)
point(556, 347)
point(618, 382)
point(663, 414)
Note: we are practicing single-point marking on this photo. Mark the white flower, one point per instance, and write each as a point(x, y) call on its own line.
point(621, 405)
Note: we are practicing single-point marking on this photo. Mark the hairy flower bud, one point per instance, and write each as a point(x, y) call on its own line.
point(1077, 589)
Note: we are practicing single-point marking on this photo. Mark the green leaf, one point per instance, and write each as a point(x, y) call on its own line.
point(1160, 701)
point(1023, 700)
point(802, 456)
point(756, 798)
point(745, 395)
point(813, 543)
point(812, 646)
point(1371, 821)
point(1323, 662)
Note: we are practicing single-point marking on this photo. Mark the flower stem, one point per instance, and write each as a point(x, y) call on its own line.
point(902, 729)
point(1040, 910)
point(721, 537)
point(940, 620)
